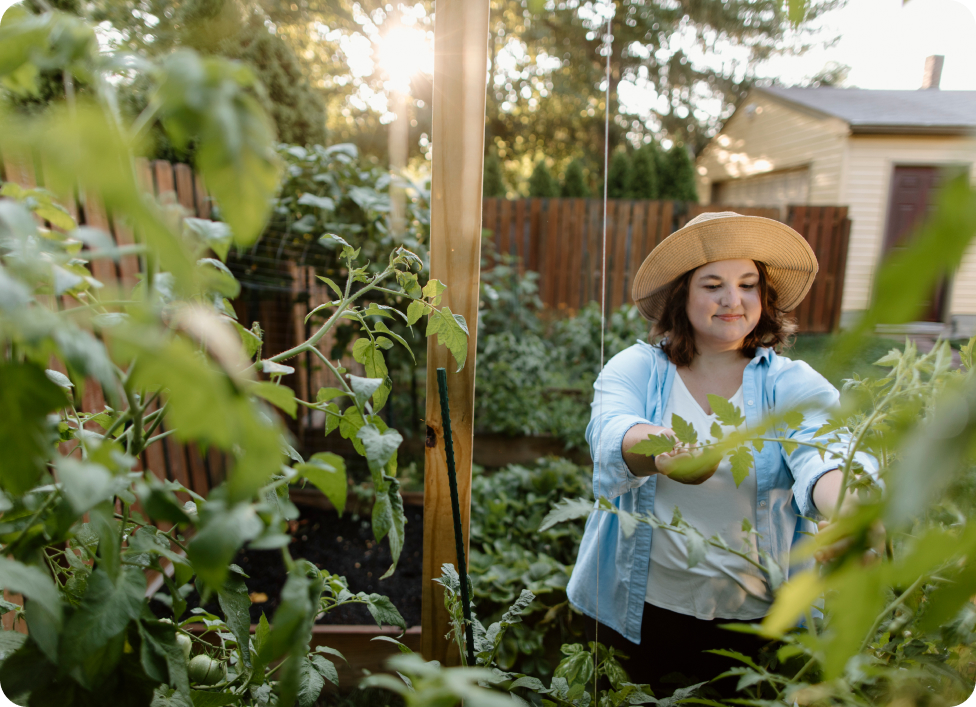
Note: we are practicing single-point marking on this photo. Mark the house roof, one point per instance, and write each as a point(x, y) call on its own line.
point(869, 111)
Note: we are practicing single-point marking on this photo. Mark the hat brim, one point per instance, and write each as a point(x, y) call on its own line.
point(789, 260)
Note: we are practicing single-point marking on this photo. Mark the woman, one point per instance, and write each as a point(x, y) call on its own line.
point(718, 290)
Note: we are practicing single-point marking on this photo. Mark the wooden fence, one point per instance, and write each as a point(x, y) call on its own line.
point(170, 183)
point(561, 239)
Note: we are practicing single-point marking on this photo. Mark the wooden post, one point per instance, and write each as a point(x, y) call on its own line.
point(460, 66)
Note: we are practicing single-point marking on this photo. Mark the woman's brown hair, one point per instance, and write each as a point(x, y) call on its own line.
point(773, 330)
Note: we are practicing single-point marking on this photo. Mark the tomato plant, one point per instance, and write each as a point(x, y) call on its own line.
point(81, 522)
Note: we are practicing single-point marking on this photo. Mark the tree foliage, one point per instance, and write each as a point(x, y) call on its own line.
point(230, 29)
point(574, 181)
point(620, 176)
point(644, 181)
point(541, 183)
point(493, 185)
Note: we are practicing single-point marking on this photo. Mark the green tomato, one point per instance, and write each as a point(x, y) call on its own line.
point(184, 642)
point(204, 670)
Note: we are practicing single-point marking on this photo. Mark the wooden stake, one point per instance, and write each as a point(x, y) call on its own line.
point(460, 66)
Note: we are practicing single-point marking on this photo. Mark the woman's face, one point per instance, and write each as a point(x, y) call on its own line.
point(723, 302)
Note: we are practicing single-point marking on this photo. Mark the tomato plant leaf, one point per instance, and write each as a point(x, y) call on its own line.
point(330, 283)
point(727, 413)
point(201, 698)
point(106, 609)
point(452, 332)
point(327, 472)
point(742, 462)
point(380, 326)
point(326, 668)
point(683, 430)
point(415, 310)
point(567, 509)
point(433, 291)
point(281, 396)
point(235, 603)
point(159, 644)
point(368, 353)
point(332, 417)
point(383, 611)
point(697, 545)
point(46, 617)
point(224, 531)
point(26, 396)
point(654, 445)
point(310, 684)
point(379, 446)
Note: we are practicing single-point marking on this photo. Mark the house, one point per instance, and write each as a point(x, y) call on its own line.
point(881, 153)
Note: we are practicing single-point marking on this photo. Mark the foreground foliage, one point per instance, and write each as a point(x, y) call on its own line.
point(83, 526)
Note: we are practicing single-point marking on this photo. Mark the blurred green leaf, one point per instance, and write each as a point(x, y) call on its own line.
point(327, 472)
point(27, 395)
point(281, 396)
point(206, 99)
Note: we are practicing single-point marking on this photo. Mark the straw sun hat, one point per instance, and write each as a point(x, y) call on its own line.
point(726, 235)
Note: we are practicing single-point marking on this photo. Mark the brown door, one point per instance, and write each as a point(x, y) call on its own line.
point(912, 200)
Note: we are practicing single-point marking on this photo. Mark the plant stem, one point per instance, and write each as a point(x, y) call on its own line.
point(161, 435)
point(11, 546)
point(340, 308)
point(898, 601)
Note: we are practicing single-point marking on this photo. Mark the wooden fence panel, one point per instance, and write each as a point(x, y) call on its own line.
point(562, 240)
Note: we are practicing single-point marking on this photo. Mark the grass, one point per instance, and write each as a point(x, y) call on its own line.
point(815, 349)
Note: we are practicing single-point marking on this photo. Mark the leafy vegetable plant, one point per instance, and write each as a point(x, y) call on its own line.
point(84, 520)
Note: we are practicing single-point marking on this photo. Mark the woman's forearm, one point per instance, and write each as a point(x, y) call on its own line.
point(639, 464)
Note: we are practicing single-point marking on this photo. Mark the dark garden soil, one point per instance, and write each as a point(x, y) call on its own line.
point(343, 546)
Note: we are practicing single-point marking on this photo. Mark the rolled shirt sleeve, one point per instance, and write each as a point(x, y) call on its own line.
point(799, 387)
point(620, 402)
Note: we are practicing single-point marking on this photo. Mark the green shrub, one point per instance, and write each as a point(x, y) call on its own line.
point(509, 554)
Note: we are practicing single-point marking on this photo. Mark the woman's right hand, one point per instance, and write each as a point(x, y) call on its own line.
point(678, 464)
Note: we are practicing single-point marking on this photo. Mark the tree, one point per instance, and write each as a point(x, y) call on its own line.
point(678, 182)
point(574, 181)
point(298, 110)
point(564, 104)
point(541, 183)
point(236, 30)
point(619, 176)
point(644, 183)
point(493, 184)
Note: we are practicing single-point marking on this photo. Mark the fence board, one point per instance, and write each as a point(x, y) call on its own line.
point(535, 228)
point(620, 233)
point(504, 227)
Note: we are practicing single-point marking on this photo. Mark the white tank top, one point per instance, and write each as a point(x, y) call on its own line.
point(722, 585)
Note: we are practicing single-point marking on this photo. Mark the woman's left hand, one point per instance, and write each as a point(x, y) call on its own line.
point(876, 542)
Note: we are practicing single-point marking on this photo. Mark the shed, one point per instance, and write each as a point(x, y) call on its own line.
point(881, 153)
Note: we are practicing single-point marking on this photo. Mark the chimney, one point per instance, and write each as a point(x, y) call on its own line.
point(933, 72)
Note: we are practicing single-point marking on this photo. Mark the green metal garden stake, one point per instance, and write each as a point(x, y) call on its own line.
point(456, 507)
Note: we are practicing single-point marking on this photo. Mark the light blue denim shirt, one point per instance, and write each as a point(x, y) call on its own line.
point(633, 389)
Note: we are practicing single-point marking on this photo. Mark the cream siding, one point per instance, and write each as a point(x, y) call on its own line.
point(767, 135)
point(871, 162)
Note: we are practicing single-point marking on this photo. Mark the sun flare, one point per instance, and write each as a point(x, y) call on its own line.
point(404, 52)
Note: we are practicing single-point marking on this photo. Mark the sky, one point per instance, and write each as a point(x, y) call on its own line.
point(885, 42)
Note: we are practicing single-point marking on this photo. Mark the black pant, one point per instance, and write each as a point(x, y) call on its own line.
point(670, 654)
